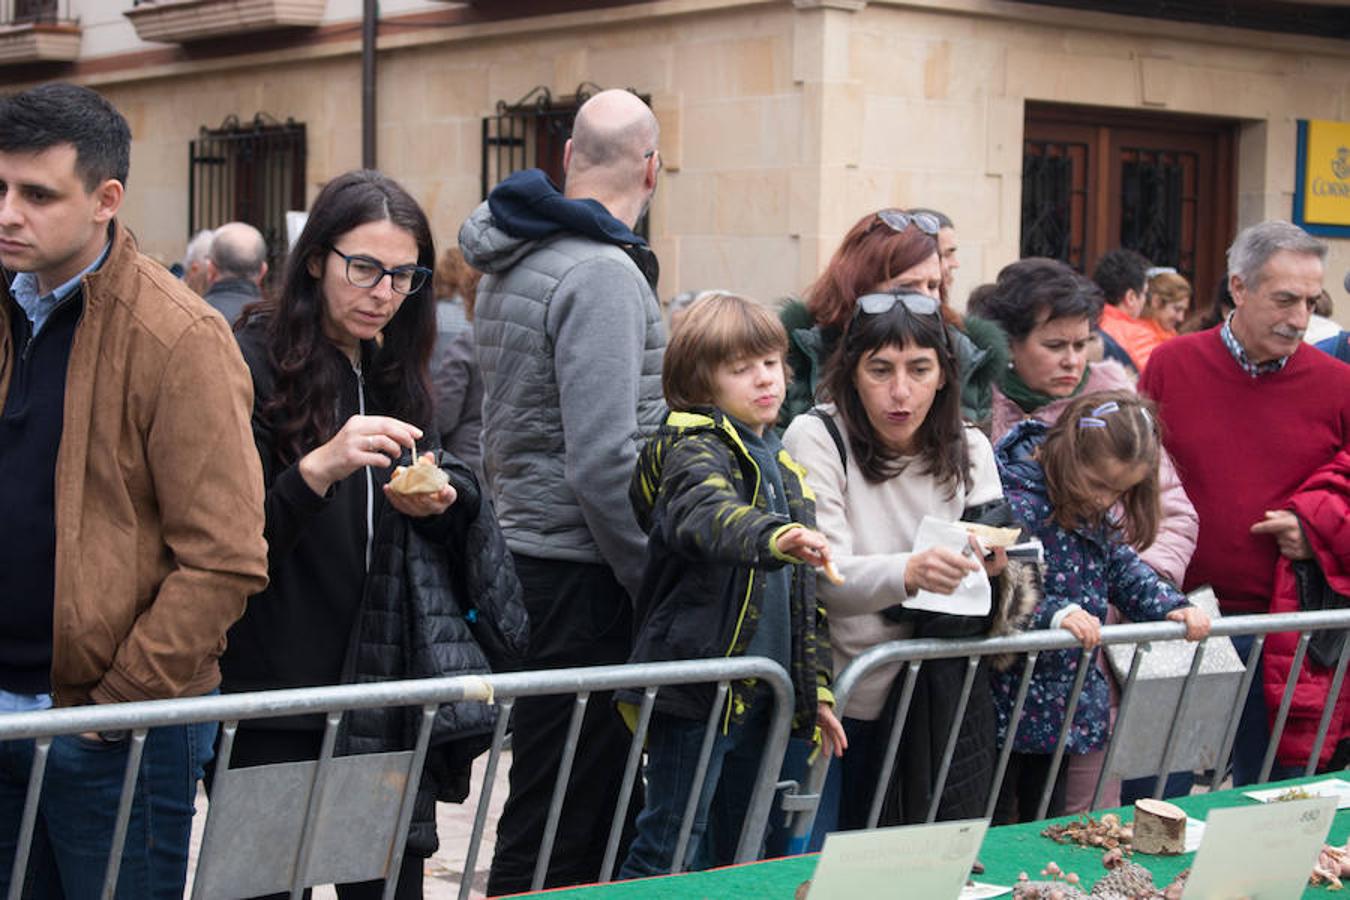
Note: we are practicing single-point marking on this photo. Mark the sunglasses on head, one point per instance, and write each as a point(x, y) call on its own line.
point(912, 303)
point(919, 304)
point(899, 220)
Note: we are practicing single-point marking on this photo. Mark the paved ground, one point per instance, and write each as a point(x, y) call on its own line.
point(454, 823)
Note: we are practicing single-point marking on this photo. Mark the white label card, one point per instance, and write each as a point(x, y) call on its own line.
point(972, 596)
point(929, 861)
point(1327, 787)
point(1262, 852)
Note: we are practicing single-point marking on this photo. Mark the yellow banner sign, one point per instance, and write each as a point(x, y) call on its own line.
point(1324, 165)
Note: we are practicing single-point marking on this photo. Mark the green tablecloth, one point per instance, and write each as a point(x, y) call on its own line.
point(1007, 851)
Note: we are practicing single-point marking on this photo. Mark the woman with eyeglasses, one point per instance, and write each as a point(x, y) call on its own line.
point(339, 362)
point(888, 448)
point(870, 259)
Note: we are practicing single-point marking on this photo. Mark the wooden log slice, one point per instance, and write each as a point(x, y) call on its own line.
point(1159, 828)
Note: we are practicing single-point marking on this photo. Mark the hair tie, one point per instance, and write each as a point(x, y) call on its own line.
point(1094, 419)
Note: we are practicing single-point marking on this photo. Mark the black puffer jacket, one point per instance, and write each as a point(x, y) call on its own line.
point(932, 712)
point(411, 624)
point(711, 537)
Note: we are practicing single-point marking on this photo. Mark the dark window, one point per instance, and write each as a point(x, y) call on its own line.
point(1054, 200)
point(1158, 215)
point(248, 172)
point(37, 11)
point(531, 133)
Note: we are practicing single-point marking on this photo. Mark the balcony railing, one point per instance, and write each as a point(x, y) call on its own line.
point(33, 12)
point(37, 31)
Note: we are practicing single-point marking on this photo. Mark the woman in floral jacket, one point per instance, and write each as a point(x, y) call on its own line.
point(1087, 487)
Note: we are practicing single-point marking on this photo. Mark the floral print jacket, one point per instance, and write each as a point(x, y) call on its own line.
point(1087, 566)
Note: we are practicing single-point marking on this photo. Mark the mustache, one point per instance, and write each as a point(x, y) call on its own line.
point(1284, 331)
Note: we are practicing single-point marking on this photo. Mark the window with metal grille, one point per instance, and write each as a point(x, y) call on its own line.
point(248, 172)
point(36, 12)
point(1054, 200)
point(1158, 210)
point(532, 132)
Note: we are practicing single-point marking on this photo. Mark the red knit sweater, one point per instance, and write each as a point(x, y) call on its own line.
point(1243, 445)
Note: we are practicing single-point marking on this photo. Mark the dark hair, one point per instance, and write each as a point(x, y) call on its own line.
point(716, 328)
point(977, 304)
point(1120, 271)
point(944, 221)
point(871, 253)
point(1128, 434)
point(59, 113)
point(307, 373)
point(1036, 290)
point(940, 437)
point(1213, 313)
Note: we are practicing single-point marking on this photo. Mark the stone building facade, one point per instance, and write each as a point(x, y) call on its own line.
point(782, 121)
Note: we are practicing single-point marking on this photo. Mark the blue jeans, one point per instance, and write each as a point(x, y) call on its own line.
point(673, 745)
point(78, 807)
point(1178, 784)
point(846, 796)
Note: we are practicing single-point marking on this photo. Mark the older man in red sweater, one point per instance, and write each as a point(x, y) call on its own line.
point(1248, 414)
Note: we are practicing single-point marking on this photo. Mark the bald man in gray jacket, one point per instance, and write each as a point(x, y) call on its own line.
point(570, 339)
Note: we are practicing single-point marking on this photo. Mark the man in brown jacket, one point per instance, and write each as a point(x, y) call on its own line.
point(132, 521)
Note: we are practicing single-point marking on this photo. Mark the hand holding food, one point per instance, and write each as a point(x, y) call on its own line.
point(420, 490)
point(422, 477)
point(803, 544)
point(362, 441)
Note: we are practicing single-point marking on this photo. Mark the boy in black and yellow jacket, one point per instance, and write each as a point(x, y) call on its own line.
point(730, 552)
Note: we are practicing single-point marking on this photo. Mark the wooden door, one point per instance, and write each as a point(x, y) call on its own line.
point(1161, 184)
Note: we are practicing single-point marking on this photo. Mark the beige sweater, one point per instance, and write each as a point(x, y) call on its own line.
point(871, 530)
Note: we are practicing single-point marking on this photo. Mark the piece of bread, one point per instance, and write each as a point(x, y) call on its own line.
point(990, 536)
point(831, 573)
point(420, 478)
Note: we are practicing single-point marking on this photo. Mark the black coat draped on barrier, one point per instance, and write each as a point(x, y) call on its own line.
point(424, 587)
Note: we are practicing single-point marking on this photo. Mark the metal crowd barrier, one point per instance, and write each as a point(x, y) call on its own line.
point(1178, 726)
point(311, 840)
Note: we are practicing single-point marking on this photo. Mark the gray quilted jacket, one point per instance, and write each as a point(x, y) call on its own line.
point(570, 340)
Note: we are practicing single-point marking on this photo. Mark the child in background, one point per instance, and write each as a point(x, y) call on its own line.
point(1063, 483)
point(729, 573)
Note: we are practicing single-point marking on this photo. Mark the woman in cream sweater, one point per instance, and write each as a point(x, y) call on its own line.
point(890, 449)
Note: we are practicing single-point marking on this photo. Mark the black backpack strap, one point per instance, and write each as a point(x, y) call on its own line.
point(833, 429)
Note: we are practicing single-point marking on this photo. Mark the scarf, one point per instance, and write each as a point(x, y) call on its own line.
point(1028, 400)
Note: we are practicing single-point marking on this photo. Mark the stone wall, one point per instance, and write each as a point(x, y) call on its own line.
point(783, 122)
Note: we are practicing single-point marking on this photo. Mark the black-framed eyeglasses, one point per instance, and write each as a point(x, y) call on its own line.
point(914, 304)
point(899, 220)
point(660, 163)
point(366, 272)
